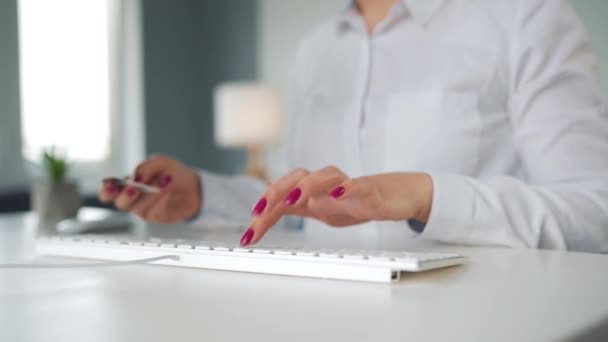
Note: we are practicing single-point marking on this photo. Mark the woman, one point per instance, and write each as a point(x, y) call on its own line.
point(462, 121)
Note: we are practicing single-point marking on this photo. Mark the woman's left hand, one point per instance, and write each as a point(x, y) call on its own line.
point(331, 196)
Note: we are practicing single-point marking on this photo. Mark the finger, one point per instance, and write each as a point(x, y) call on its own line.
point(108, 191)
point(277, 192)
point(315, 183)
point(356, 196)
point(261, 224)
point(144, 205)
point(308, 185)
point(351, 188)
point(320, 182)
point(126, 198)
point(165, 210)
point(271, 205)
point(153, 171)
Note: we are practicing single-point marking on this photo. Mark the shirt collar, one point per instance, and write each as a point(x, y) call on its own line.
point(421, 11)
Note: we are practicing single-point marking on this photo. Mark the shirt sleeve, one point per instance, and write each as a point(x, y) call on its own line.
point(560, 122)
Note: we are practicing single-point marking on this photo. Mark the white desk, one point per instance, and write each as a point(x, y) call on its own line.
point(501, 295)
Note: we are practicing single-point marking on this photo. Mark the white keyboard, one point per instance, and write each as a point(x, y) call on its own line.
point(373, 266)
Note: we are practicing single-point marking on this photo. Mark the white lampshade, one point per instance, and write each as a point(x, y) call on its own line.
point(246, 114)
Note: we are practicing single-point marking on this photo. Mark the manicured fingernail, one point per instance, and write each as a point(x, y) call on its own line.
point(337, 192)
point(293, 196)
point(166, 180)
point(259, 207)
point(111, 188)
point(246, 239)
point(130, 192)
point(137, 178)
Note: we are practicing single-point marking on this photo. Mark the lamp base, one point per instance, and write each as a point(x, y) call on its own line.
point(255, 166)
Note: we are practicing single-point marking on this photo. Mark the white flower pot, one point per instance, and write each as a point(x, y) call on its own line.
point(54, 202)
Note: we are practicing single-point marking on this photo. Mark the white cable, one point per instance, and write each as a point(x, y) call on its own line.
point(85, 265)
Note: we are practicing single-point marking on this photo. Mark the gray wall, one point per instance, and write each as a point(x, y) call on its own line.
point(190, 46)
point(11, 172)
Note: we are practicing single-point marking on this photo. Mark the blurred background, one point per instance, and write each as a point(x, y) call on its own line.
point(109, 82)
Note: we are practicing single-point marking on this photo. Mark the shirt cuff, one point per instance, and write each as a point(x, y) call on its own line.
point(210, 186)
point(452, 209)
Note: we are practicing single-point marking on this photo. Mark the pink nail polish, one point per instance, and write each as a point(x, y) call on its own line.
point(111, 188)
point(246, 239)
point(337, 192)
point(293, 196)
point(130, 192)
point(259, 207)
point(166, 180)
point(137, 178)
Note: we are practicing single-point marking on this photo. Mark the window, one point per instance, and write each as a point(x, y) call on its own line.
point(65, 78)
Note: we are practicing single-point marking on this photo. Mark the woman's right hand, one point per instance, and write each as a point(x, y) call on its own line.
point(179, 198)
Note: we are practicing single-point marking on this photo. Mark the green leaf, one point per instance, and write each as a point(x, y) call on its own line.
point(55, 166)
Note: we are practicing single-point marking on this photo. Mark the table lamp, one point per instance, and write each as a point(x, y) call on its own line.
point(247, 115)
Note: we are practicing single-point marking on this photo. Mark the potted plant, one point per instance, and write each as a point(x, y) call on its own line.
point(54, 197)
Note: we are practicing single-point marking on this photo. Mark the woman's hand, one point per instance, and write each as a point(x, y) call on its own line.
point(331, 196)
point(178, 200)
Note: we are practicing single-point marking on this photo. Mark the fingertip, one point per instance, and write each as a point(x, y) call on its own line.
point(130, 192)
point(111, 188)
point(247, 237)
point(165, 181)
point(259, 207)
point(150, 169)
point(337, 192)
point(293, 196)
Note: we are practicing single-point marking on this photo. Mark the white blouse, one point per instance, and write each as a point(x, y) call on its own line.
point(497, 100)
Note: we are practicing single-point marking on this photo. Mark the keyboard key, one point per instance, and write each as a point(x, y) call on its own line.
point(329, 255)
point(354, 256)
point(282, 251)
point(380, 258)
point(306, 252)
point(262, 251)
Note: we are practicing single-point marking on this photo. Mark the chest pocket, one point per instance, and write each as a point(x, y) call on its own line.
point(432, 131)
